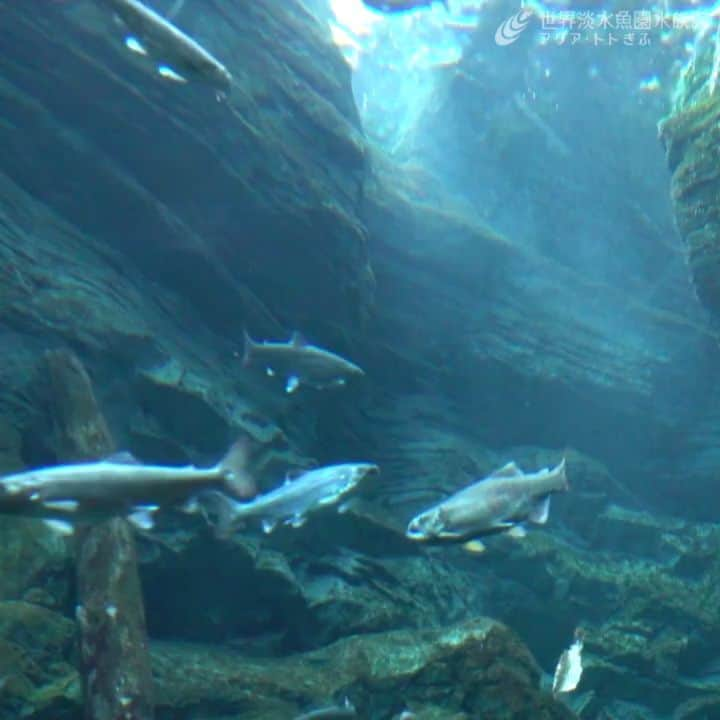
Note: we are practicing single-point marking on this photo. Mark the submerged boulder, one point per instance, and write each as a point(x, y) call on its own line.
point(475, 669)
point(38, 678)
point(690, 137)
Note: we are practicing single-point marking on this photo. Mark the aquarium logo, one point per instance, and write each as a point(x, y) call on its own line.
point(510, 30)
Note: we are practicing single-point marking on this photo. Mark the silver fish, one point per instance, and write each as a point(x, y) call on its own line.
point(153, 34)
point(119, 485)
point(501, 502)
point(299, 363)
point(569, 668)
point(332, 712)
point(396, 6)
point(289, 504)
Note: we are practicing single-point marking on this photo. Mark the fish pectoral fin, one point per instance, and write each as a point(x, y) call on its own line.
point(296, 521)
point(68, 506)
point(134, 45)
point(508, 470)
point(298, 339)
point(292, 384)
point(60, 527)
point(518, 532)
point(165, 71)
point(540, 513)
point(345, 506)
point(475, 546)
point(268, 526)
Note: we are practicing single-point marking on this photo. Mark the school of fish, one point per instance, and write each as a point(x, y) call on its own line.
point(506, 501)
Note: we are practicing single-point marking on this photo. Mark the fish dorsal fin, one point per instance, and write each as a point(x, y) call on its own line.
point(292, 475)
point(508, 470)
point(298, 339)
point(123, 458)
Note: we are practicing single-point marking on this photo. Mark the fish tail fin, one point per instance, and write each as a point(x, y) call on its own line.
point(219, 511)
point(249, 346)
point(562, 475)
point(233, 466)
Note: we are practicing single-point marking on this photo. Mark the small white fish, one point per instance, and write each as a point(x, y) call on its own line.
point(152, 34)
point(332, 712)
point(291, 503)
point(299, 363)
point(569, 667)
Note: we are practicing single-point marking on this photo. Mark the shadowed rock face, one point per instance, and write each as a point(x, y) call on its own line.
point(690, 136)
point(209, 198)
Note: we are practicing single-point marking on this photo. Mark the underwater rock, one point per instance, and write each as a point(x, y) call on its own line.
point(306, 592)
point(111, 618)
point(698, 709)
point(168, 398)
point(282, 159)
point(690, 136)
point(646, 601)
point(38, 678)
point(35, 564)
point(490, 323)
point(474, 669)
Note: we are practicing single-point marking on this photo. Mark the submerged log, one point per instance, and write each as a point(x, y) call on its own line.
point(115, 663)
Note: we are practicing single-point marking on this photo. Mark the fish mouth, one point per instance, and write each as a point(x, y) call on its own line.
point(415, 532)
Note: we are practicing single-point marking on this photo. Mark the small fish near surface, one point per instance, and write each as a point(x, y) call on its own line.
point(118, 486)
point(569, 667)
point(153, 35)
point(501, 502)
point(289, 504)
point(299, 363)
point(331, 712)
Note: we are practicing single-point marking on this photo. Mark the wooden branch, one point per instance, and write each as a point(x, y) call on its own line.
point(115, 662)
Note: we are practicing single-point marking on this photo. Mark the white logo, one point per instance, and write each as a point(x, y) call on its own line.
point(509, 30)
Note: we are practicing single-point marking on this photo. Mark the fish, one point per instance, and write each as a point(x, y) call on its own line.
point(299, 363)
point(398, 6)
point(331, 712)
point(118, 486)
point(501, 502)
point(153, 35)
point(290, 503)
point(569, 667)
